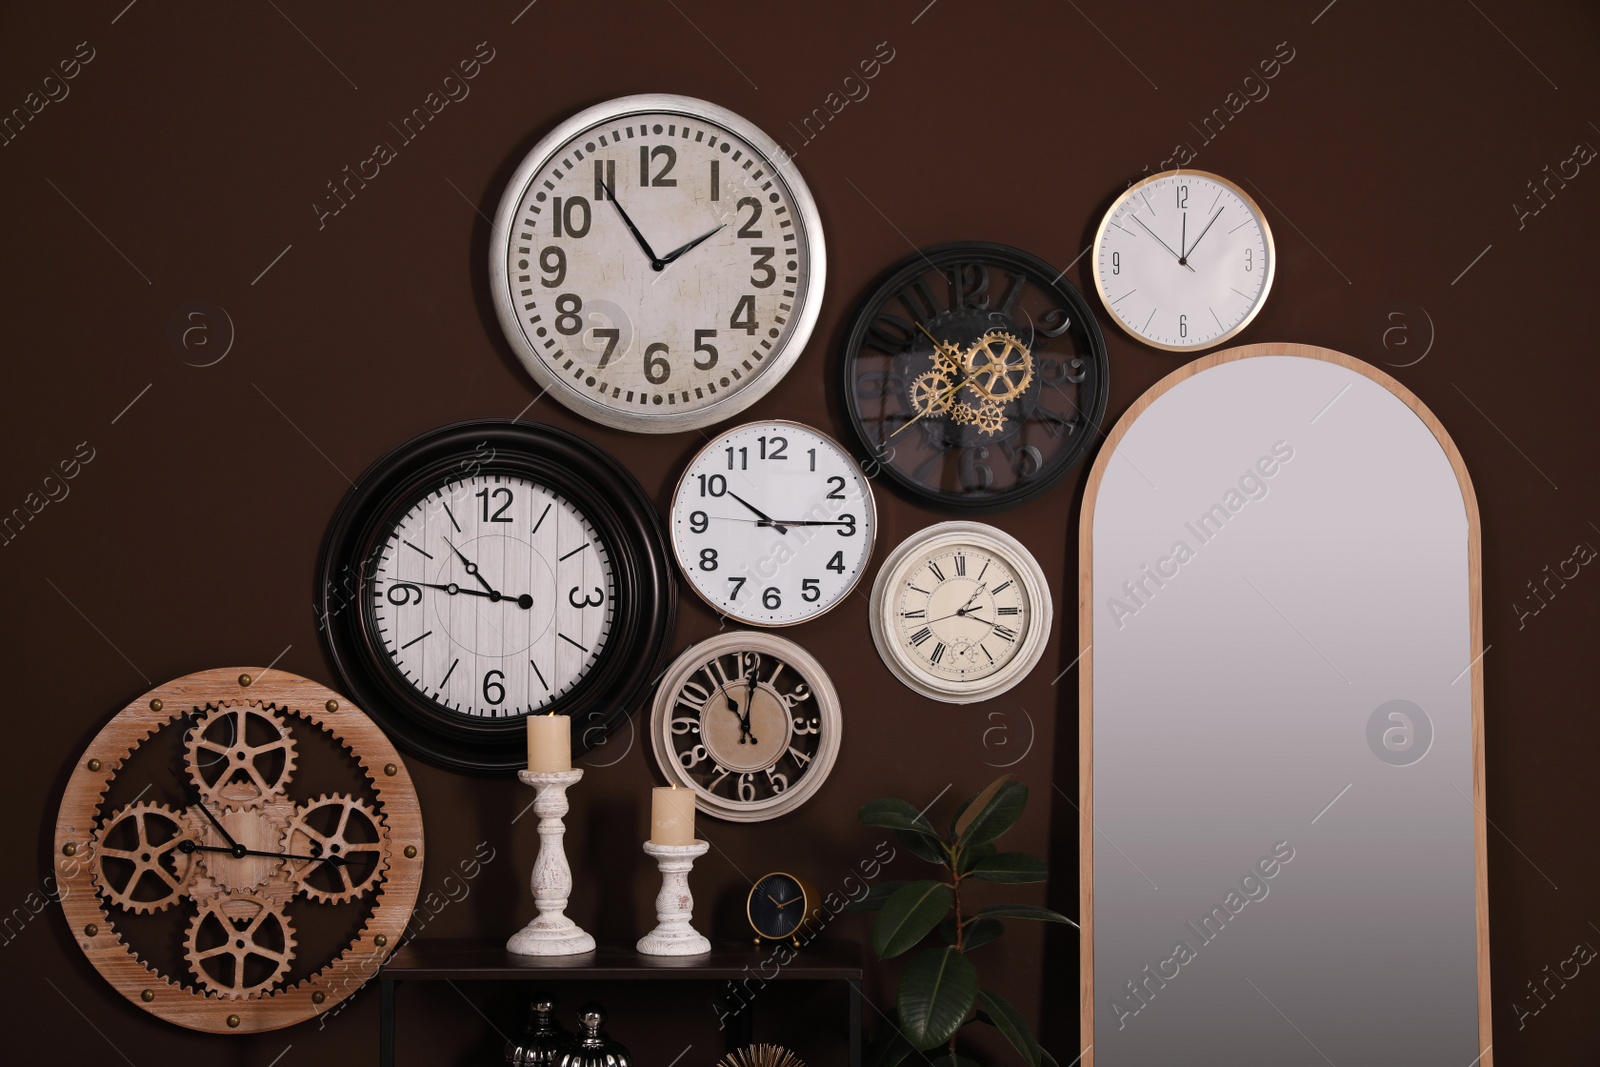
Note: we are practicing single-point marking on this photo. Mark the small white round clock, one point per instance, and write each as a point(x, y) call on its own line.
point(657, 263)
point(961, 612)
point(1184, 260)
point(773, 523)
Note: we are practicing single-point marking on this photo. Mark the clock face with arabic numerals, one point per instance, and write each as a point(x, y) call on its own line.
point(975, 376)
point(749, 721)
point(491, 570)
point(657, 263)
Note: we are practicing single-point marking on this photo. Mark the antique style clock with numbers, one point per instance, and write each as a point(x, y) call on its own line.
point(1184, 260)
point(489, 570)
point(657, 263)
point(961, 612)
point(773, 523)
point(975, 376)
point(749, 721)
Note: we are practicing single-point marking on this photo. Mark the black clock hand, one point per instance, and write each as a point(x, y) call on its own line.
point(525, 601)
point(676, 252)
point(472, 569)
point(962, 610)
point(1183, 239)
point(1203, 233)
point(1159, 241)
point(750, 695)
point(655, 261)
point(766, 520)
point(239, 852)
point(192, 793)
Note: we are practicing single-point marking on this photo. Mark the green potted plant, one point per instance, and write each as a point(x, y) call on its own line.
point(939, 994)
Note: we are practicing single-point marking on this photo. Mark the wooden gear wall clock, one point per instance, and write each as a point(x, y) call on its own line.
point(238, 850)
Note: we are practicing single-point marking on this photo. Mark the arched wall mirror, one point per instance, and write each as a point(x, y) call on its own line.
point(1281, 701)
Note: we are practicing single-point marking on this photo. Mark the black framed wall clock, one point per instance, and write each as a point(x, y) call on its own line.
point(486, 571)
point(975, 376)
point(657, 263)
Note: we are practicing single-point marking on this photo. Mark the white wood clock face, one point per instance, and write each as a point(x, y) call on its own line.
point(657, 263)
point(1184, 260)
point(773, 523)
point(961, 612)
point(493, 595)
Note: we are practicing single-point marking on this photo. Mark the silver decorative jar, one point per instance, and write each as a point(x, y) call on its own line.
point(544, 1041)
point(594, 1047)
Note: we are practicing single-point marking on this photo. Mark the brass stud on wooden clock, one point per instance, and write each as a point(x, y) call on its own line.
point(69, 849)
point(148, 995)
point(332, 705)
point(318, 997)
point(390, 769)
point(380, 940)
point(411, 852)
point(157, 704)
point(244, 679)
point(233, 1022)
point(91, 930)
point(93, 765)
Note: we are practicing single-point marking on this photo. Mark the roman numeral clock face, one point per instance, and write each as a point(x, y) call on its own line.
point(491, 570)
point(960, 612)
point(657, 263)
point(1184, 261)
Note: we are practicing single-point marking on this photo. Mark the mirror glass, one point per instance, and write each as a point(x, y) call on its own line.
point(1282, 725)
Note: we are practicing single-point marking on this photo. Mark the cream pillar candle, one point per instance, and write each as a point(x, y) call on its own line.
point(549, 743)
point(672, 816)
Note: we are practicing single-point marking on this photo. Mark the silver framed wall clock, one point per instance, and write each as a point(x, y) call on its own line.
point(750, 721)
point(961, 612)
point(773, 523)
point(1184, 260)
point(657, 263)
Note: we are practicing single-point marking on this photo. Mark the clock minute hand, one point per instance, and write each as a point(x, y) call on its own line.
point(1159, 241)
point(681, 249)
point(655, 261)
point(239, 851)
point(1203, 232)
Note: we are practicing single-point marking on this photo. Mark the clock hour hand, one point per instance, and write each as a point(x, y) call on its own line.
point(676, 252)
point(1203, 233)
point(750, 695)
point(655, 261)
point(472, 569)
point(766, 520)
point(1159, 241)
point(193, 795)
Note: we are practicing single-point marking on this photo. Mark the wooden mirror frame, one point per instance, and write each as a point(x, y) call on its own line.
point(1086, 598)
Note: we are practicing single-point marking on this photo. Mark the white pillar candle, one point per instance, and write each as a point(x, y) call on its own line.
point(672, 816)
point(549, 743)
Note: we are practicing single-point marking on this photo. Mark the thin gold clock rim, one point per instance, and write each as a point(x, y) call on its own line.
point(807, 890)
point(1266, 236)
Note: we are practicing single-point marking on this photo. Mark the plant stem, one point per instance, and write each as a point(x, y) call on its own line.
point(955, 885)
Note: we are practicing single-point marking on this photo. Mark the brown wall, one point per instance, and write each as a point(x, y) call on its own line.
point(1388, 154)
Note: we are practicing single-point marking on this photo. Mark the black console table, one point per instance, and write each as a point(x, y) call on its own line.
point(439, 960)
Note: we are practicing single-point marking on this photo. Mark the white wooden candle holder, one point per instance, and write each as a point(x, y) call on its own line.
point(551, 933)
point(673, 935)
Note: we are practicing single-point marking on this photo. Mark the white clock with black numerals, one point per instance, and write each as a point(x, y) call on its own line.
point(488, 571)
point(657, 263)
point(961, 612)
point(773, 523)
point(1184, 260)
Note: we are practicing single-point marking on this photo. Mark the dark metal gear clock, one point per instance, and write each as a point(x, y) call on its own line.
point(487, 571)
point(975, 376)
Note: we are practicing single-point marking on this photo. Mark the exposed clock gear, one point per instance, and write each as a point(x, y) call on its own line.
point(241, 755)
point(344, 829)
point(239, 945)
point(137, 862)
point(931, 393)
point(990, 417)
point(999, 366)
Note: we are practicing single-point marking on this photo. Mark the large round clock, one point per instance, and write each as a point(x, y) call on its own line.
point(657, 263)
point(487, 571)
point(749, 721)
point(975, 376)
point(773, 523)
point(238, 850)
point(961, 612)
point(1184, 260)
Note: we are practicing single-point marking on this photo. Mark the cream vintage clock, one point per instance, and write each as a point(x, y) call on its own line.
point(657, 263)
point(749, 721)
point(238, 850)
point(1184, 260)
point(960, 612)
point(773, 523)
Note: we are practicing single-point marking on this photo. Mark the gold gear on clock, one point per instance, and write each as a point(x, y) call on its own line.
point(998, 367)
point(931, 392)
point(242, 968)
